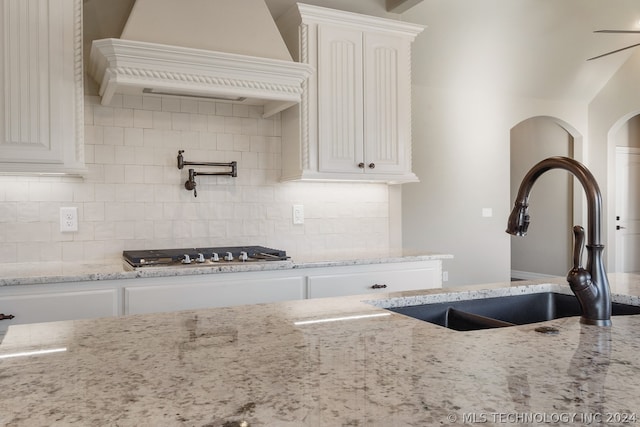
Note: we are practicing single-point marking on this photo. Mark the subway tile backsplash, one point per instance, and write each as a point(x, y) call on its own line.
point(133, 196)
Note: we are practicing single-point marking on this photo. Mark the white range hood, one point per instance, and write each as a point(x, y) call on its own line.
point(218, 49)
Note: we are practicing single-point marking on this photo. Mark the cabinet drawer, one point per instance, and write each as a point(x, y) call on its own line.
point(427, 276)
point(187, 296)
point(50, 307)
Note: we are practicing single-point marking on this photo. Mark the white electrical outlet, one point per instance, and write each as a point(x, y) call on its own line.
point(445, 276)
point(298, 214)
point(68, 219)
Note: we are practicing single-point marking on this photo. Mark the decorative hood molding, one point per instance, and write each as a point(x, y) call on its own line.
point(199, 67)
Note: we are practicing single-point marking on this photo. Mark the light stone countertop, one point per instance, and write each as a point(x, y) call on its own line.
point(323, 362)
point(32, 273)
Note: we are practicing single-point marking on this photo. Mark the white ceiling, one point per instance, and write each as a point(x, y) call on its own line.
point(530, 48)
point(372, 7)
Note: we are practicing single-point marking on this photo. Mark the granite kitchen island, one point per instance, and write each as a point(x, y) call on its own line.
point(323, 362)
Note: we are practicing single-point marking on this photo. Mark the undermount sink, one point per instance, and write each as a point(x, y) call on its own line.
point(485, 313)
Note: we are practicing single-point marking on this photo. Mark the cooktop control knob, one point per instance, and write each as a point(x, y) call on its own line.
point(243, 256)
point(186, 259)
point(215, 257)
point(200, 258)
point(228, 256)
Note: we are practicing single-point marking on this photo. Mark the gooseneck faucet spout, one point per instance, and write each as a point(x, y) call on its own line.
point(590, 285)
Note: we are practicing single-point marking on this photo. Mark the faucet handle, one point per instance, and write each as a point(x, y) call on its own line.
point(578, 235)
point(579, 279)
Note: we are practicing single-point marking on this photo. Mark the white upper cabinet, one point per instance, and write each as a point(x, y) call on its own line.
point(354, 122)
point(41, 93)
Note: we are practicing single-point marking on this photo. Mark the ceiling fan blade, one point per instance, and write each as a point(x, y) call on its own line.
point(618, 31)
point(613, 51)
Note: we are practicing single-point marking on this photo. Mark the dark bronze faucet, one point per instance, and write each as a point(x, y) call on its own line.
point(590, 285)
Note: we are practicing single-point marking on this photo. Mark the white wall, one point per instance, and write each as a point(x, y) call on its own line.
point(458, 143)
point(462, 118)
point(461, 151)
point(618, 102)
point(461, 154)
point(547, 248)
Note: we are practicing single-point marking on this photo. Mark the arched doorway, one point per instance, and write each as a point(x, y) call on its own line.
point(547, 248)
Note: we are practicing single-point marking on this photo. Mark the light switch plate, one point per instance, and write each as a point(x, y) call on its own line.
point(298, 214)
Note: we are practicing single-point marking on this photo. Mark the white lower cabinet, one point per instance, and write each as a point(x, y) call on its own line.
point(228, 289)
point(188, 293)
point(406, 276)
point(91, 299)
point(35, 305)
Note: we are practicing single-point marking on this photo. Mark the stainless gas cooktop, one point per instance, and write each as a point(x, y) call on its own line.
point(209, 256)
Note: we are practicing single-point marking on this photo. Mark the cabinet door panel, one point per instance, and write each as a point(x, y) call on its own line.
point(41, 104)
point(50, 307)
point(187, 296)
point(340, 107)
point(386, 89)
point(332, 285)
point(354, 120)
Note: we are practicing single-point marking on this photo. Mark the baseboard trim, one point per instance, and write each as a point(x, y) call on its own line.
point(527, 275)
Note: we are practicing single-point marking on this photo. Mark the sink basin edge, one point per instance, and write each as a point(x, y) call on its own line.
point(503, 310)
point(469, 294)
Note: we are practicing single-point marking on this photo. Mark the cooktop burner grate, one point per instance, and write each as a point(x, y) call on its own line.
point(202, 256)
